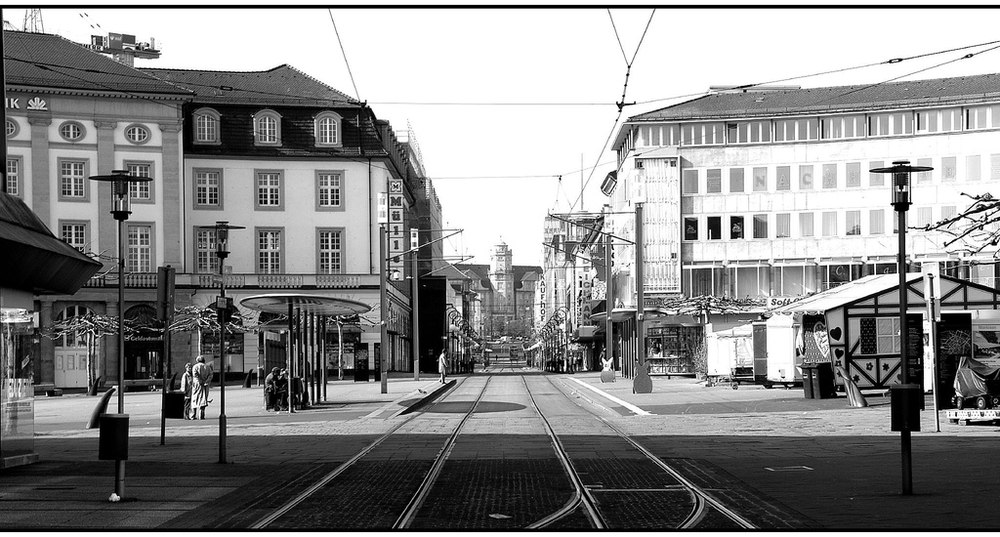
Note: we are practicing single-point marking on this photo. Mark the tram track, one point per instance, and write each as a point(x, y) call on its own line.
point(703, 503)
point(406, 517)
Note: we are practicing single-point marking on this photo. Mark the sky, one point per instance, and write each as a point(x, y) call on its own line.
point(513, 108)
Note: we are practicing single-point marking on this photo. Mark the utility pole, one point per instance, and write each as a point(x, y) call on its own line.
point(609, 301)
point(383, 309)
point(415, 303)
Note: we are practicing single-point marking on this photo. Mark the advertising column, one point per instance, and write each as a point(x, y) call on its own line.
point(17, 395)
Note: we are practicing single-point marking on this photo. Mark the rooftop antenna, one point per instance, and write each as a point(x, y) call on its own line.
point(33, 21)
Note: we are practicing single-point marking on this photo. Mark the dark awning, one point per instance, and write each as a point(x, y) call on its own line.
point(35, 260)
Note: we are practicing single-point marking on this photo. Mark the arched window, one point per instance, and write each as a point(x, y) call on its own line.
point(327, 130)
point(206, 126)
point(267, 128)
point(73, 338)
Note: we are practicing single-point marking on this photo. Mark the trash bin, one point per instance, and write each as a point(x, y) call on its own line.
point(173, 405)
point(824, 387)
point(809, 381)
point(114, 437)
point(905, 402)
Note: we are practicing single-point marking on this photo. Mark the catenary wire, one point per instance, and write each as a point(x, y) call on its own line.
point(344, 53)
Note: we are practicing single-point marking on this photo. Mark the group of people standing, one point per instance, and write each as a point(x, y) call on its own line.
point(195, 384)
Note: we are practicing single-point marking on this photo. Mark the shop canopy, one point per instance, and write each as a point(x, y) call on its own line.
point(44, 264)
point(847, 293)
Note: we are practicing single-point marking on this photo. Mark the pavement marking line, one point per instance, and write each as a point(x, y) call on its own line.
point(634, 409)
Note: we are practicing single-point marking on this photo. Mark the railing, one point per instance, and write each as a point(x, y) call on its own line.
point(147, 280)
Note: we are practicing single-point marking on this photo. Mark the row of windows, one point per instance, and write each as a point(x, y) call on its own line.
point(74, 131)
point(269, 189)
point(806, 177)
point(795, 280)
point(73, 183)
point(266, 128)
point(817, 128)
point(269, 248)
point(270, 251)
point(734, 227)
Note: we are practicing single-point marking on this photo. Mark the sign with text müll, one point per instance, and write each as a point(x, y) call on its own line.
point(394, 232)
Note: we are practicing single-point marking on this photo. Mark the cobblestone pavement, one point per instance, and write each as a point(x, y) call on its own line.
point(836, 466)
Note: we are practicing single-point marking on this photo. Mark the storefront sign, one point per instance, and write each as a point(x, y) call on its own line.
point(774, 302)
point(396, 236)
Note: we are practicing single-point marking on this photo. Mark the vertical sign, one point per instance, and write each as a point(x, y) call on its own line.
point(395, 234)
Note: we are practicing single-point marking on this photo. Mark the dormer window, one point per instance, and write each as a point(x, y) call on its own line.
point(327, 130)
point(267, 128)
point(206, 126)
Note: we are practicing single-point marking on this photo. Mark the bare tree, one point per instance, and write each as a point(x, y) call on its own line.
point(89, 326)
point(973, 231)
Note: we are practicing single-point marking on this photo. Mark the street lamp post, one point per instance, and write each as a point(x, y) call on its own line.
point(120, 199)
point(905, 412)
point(223, 307)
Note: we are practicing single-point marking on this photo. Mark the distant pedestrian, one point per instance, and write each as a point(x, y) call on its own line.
point(443, 365)
point(186, 381)
point(202, 376)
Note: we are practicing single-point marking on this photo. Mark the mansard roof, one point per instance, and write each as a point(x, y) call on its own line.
point(46, 62)
point(283, 84)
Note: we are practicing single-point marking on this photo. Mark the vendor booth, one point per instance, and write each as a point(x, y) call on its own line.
point(855, 328)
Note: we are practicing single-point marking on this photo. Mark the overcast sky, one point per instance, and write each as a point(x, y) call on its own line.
point(495, 166)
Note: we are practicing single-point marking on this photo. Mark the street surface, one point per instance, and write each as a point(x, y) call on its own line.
point(769, 457)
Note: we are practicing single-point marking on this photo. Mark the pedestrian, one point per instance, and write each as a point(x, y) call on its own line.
point(202, 377)
point(443, 365)
point(186, 382)
point(271, 389)
point(281, 388)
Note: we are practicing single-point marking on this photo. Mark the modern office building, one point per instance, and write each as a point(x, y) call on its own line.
point(765, 192)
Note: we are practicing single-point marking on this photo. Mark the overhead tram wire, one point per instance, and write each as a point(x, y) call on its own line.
point(622, 104)
point(344, 53)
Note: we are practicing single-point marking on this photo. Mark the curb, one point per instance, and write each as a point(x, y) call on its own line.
point(429, 397)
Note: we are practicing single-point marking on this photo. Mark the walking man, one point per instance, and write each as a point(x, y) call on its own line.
point(443, 365)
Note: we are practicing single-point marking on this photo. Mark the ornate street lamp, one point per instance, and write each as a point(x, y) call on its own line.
point(905, 409)
point(224, 308)
point(120, 208)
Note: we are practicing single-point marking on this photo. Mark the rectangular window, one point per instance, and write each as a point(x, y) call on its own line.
point(829, 223)
point(784, 178)
point(994, 167)
point(924, 216)
point(923, 177)
point(927, 121)
point(690, 182)
point(806, 225)
point(74, 234)
point(205, 258)
point(736, 230)
point(140, 191)
point(853, 219)
point(806, 177)
point(14, 177)
point(760, 179)
point(690, 228)
point(208, 188)
point(330, 252)
point(140, 249)
point(714, 226)
point(975, 117)
point(853, 174)
point(973, 168)
point(268, 251)
point(876, 222)
point(714, 181)
point(951, 120)
point(875, 179)
point(329, 190)
point(269, 190)
point(783, 225)
point(830, 176)
point(949, 169)
point(72, 179)
point(760, 226)
point(736, 180)
point(879, 335)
